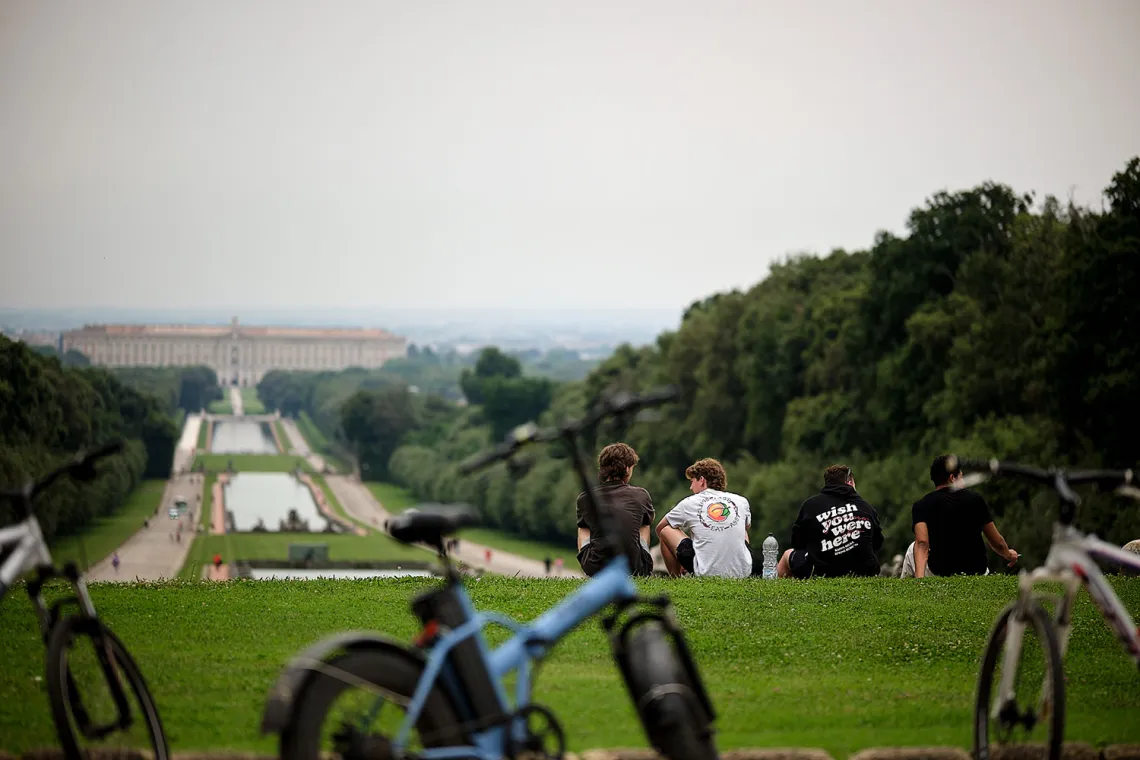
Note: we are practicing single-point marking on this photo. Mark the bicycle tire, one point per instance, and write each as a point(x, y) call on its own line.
point(674, 721)
point(1042, 624)
point(62, 636)
point(302, 737)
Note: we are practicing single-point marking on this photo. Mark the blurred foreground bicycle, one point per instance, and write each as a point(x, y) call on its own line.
point(1070, 562)
point(90, 674)
point(447, 690)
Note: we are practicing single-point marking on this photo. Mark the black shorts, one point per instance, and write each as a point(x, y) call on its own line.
point(802, 566)
point(592, 561)
point(686, 554)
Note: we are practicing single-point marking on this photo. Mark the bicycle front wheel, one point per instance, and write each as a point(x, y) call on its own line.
point(1022, 651)
point(98, 696)
point(355, 704)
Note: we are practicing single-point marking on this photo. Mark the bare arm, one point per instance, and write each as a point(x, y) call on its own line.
point(921, 549)
point(998, 544)
point(583, 537)
point(645, 534)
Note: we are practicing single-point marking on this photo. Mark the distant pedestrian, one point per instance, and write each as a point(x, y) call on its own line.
point(548, 562)
point(487, 555)
point(115, 561)
point(217, 560)
point(558, 564)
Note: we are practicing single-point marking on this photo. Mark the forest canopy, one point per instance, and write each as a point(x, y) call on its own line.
point(997, 325)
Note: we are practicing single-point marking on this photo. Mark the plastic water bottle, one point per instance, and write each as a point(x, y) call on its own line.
point(771, 550)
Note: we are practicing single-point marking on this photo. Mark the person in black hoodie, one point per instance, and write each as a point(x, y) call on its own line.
point(836, 533)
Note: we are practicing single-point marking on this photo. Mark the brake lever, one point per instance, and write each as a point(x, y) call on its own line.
point(1131, 492)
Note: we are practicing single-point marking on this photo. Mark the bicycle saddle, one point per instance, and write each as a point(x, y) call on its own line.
point(429, 523)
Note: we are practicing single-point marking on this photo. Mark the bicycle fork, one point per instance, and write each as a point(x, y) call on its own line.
point(50, 617)
point(1015, 633)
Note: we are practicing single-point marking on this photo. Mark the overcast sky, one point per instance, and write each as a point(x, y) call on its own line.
point(534, 154)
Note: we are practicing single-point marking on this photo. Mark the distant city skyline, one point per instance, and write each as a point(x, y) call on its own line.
point(563, 155)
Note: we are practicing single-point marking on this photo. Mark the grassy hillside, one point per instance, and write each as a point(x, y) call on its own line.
point(251, 403)
point(235, 546)
point(251, 462)
point(841, 665)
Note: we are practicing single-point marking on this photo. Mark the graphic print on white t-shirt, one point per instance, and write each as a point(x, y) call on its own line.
point(717, 521)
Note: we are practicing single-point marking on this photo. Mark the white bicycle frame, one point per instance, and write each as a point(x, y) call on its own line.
point(31, 552)
point(1070, 563)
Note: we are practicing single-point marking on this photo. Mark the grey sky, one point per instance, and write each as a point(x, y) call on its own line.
point(430, 154)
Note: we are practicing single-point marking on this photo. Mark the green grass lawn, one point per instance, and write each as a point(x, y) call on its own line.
point(251, 462)
point(282, 436)
point(524, 547)
point(396, 499)
point(107, 533)
point(235, 546)
point(841, 665)
point(221, 406)
point(251, 402)
point(332, 500)
point(320, 444)
point(393, 498)
point(203, 434)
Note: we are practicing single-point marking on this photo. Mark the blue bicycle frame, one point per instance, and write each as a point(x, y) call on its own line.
point(530, 642)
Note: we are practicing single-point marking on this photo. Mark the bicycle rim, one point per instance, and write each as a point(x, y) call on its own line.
point(1033, 712)
point(83, 705)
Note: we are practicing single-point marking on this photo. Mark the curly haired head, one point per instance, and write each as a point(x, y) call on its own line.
point(614, 462)
point(711, 470)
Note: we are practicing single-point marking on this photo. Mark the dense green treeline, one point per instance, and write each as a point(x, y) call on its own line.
point(188, 388)
point(997, 326)
point(49, 411)
point(435, 379)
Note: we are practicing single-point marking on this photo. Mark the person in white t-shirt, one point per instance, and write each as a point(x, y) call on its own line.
point(716, 522)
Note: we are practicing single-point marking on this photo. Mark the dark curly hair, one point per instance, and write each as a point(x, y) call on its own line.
point(711, 470)
point(615, 460)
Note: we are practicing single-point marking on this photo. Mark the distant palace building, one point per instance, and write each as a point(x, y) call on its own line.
point(240, 355)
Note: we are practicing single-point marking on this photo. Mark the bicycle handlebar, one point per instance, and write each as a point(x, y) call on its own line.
point(81, 466)
point(617, 405)
point(1048, 477)
point(1058, 479)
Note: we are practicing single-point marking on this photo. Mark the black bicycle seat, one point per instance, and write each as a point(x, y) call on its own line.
point(430, 523)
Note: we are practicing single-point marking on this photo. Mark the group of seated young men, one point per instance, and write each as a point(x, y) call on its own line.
point(836, 533)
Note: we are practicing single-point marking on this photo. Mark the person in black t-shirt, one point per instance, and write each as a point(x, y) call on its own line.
point(836, 533)
point(948, 529)
point(632, 509)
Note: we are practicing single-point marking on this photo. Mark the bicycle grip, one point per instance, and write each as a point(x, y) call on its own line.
point(479, 461)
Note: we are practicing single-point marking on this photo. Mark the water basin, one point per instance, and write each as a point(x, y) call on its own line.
point(302, 573)
point(264, 500)
point(243, 438)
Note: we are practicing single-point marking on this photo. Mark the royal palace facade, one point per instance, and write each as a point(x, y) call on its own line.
point(240, 355)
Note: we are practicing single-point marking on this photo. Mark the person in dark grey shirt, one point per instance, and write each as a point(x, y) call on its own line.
point(631, 506)
point(948, 528)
